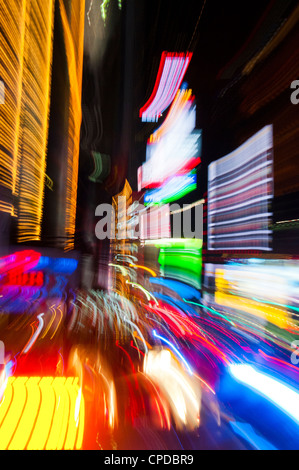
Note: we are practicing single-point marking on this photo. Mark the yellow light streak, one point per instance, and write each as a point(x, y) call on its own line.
point(45, 416)
point(15, 411)
point(34, 117)
point(39, 413)
point(73, 32)
point(145, 269)
point(27, 420)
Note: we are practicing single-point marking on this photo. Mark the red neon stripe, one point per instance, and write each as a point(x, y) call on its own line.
point(160, 70)
point(152, 112)
point(177, 79)
point(174, 76)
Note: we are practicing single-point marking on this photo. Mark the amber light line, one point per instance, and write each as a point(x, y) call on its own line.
point(144, 268)
point(73, 31)
point(35, 108)
point(42, 413)
point(12, 19)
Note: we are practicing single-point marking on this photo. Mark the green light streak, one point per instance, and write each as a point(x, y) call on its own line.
point(174, 197)
point(210, 310)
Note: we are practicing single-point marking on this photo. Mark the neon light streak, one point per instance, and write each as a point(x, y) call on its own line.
point(50, 322)
point(182, 103)
point(187, 208)
point(177, 352)
point(142, 339)
point(73, 34)
point(148, 295)
point(277, 392)
point(145, 269)
point(135, 326)
point(135, 347)
point(185, 260)
point(184, 290)
point(171, 71)
point(19, 262)
point(205, 383)
point(173, 189)
point(120, 267)
point(36, 334)
point(58, 324)
point(289, 307)
point(42, 413)
point(214, 312)
point(246, 431)
point(130, 360)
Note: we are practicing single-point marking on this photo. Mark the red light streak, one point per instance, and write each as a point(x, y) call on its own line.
point(171, 71)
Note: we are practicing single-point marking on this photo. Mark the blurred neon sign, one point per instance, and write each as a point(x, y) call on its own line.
point(19, 261)
point(26, 268)
point(25, 279)
point(175, 188)
point(171, 72)
point(175, 147)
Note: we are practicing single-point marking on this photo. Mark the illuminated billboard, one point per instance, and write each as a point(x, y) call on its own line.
point(180, 259)
point(240, 188)
point(175, 147)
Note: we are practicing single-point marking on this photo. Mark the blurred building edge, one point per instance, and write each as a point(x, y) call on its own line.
point(41, 68)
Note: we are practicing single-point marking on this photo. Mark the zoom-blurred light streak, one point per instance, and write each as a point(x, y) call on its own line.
point(183, 392)
point(173, 189)
point(165, 340)
point(35, 109)
point(26, 72)
point(73, 33)
point(171, 72)
point(39, 413)
point(35, 334)
point(240, 188)
point(277, 392)
point(177, 141)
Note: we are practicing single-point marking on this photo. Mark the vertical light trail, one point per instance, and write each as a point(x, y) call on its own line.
point(34, 117)
point(12, 33)
point(73, 31)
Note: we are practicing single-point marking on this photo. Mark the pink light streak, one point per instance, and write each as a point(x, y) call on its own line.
point(171, 72)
